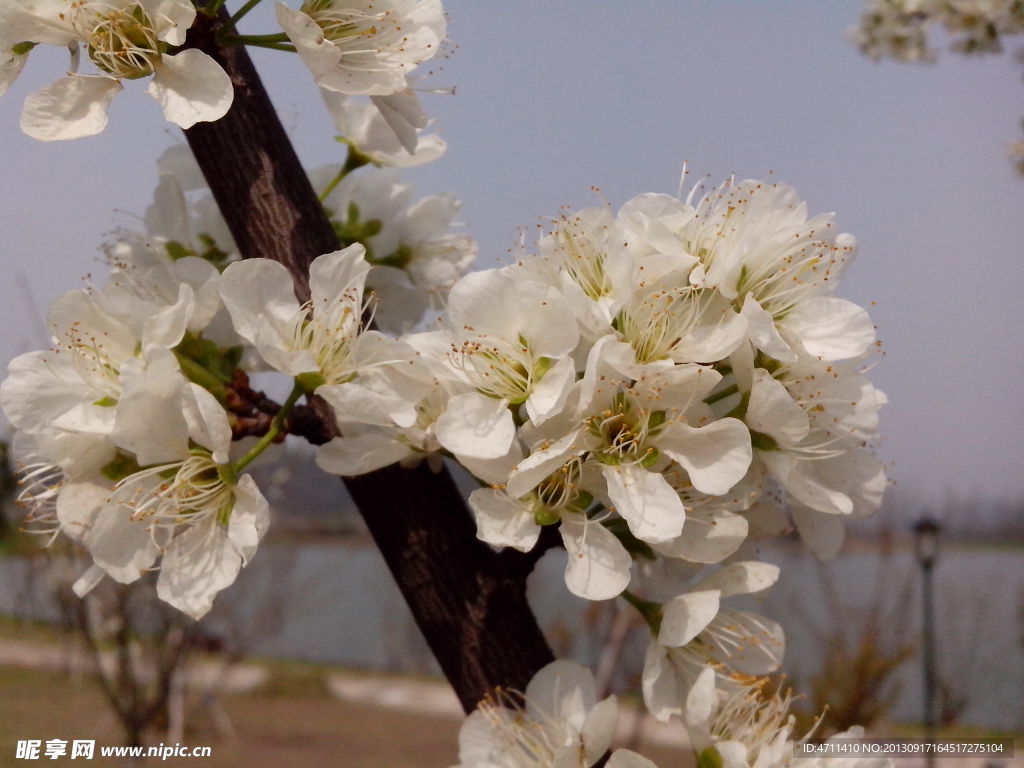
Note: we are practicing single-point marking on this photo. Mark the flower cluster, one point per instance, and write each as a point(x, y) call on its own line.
point(659, 383)
point(559, 722)
point(650, 381)
point(124, 429)
point(899, 28)
point(123, 435)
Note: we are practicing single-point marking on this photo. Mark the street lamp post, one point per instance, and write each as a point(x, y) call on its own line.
point(926, 550)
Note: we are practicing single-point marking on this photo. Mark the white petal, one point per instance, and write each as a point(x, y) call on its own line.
point(598, 567)
point(686, 616)
point(351, 456)
point(250, 517)
point(734, 754)
point(742, 578)
point(831, 328)
point(207, 422)
point(774, 412)
point(707, 537)
point(258, 288)
point(762, 331)
point(550, 393)
point(476, 425)
point(166, 327)
point(352, 401)
point(494, 471)
point(494, 301)
point(338, 273)
point(624, 758)
point(821, 532)
point(529, 472)
point(599, 729)
point(44, 388)
point(171, 18)
point(661, 693)
point(702, 699)
point(73, 107)
point(150, 422)
point(88, 581)
point(204, 279)
point(721, 330)
point(562, 691)
point(403, 114)
point(400, 304)
point(316, 53)
point(802, 483)
point(480, 740)
point(503, 521)
point(198, 564)
point(716, 456)
point(646, 501)
point(77, 506)
point(120, 546)
point(191, 88)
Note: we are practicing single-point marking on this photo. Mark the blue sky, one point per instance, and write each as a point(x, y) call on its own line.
point(556, 96)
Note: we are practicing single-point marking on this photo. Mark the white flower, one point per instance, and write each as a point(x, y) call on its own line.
point(369, 47)
point(365, 130)
point(745, 727)
point(584, 256)
point(191, 508)
point(323, 338)
point(428, 384)
point(598, 565)
point(696, 632)
point(633, 429)
point(512, 338)
point(45, 462)
point(76, 385)
point(364, 46)
point(557, 722)
point(125, 40)
point(810, 424)
point(417, 256)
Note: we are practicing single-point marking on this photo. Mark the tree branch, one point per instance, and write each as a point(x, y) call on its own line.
point(470, 607)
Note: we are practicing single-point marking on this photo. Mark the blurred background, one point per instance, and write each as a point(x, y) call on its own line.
point(298, 661)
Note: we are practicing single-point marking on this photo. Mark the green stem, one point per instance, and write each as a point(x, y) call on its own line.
point(712, 399)
point(213, 7)
point(275, 47)
point(244, 10)
point(202, 376)
point(354, 159)
point(273, 432)
point(278, 38)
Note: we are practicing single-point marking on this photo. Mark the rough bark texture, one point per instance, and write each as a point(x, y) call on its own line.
point(469, 602)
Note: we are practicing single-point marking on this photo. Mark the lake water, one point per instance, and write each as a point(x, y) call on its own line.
point(337, 603)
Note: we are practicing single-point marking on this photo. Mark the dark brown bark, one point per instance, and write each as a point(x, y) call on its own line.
point(469, 603)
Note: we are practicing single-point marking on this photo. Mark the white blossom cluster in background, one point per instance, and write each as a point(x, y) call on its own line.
point(662, 383)
point(899, 29)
